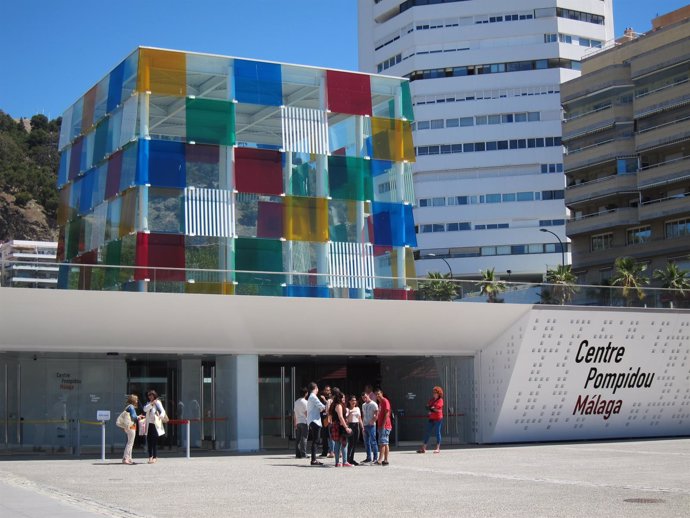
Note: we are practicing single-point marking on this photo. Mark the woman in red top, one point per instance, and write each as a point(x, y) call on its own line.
point(435, 407)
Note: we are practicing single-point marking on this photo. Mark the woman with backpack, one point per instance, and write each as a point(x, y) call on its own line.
point(131, 429)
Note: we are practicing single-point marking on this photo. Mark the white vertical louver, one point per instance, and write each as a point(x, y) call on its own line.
point(351, 265)
point(208, 212)
point(305, 130)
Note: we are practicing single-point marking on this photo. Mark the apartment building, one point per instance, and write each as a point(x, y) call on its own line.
point(627, 133)
point(485, 82)
point(28, 264)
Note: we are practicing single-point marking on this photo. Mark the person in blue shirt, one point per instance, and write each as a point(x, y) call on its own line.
point(131, 431)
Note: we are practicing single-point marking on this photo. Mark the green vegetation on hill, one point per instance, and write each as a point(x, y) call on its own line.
point(29, 163)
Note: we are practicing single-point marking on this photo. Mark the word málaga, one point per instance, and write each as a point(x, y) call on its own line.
point(597, 405)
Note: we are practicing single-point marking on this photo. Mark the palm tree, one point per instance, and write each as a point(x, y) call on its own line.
point(563, 280)
point(674, 279)
point(629, 275)
point(438, 287)
point(490, 286)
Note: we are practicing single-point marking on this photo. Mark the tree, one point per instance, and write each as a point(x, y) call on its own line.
point(629, 274)
point(491, 286)
point(438, 287)
point(674, 279)
point(563, 280)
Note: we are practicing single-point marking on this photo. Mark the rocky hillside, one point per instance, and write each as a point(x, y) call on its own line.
point(28, 172)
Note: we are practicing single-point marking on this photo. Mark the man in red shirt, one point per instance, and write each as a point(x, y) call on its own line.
point(384, 426)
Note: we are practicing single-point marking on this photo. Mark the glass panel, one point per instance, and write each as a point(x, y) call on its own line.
point(258, 216)
point(114, 131)
point(301, 257)
point(112, 186)
point(258, 171)
point(210, 121)
point(392, 140)
point(65, 129)
point(393, 224)
point(64, 211)
point(115, 87)
point(128, 169)
point(100, 108)
point(167, 118)
point(260, 255)
point(99, 182)
point(72, 235)
point(63, 170)
point(86, 185)
point(162, 72)
point(306, 219)
point(202, 164)
point(166, 210)
point(406, 101)
point(207, 76)
point(75, 158)
point(350, 178)
point(302, 180)
point(95, 227)
point(342, 221)
point(259, 126)
point(130, 75)
point(161, 251)
point(77, 108)
point(100, 142)
point(128, 212)
point(348, 92)
point(306, 83)
point(128, 128)
point(258, 83)
point(345, 136)
point(88, 109)
point(112, 222)
point(166, 164)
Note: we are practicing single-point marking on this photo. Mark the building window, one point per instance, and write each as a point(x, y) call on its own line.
point(602, 242)
point(638, 235)
point(678, 228)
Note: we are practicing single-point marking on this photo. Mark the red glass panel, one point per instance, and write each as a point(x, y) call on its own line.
point(112, 182)
point(269, 220)
point(88, 110)
point(75, 158)
point(348, 92)
point(160, 251)
point(258, 171)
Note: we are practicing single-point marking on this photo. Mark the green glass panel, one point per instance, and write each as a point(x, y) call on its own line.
point(101, 143)
point(210, 121)
point(73, 231)
point(303, 183)
point(349, 178)
point(259, 255)
point(407, 111)
point(342, 221)
point(113, 256)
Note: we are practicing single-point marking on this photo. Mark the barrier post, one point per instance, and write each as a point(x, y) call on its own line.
point(188, 438)
point(103, 440)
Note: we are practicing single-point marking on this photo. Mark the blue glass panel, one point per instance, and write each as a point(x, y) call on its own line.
point(379, 167)
point(86, 197)
point(307, 291)
point(393, 224)
point(143, 164)
point(258, 83)
point(128, 172)
point(167, 164)
point(115, 87)
point(63, 277)
point(64, 167)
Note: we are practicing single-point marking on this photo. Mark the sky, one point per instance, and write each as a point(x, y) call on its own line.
point(53, 51)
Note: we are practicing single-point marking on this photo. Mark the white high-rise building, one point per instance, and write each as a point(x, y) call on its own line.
point(485, 81)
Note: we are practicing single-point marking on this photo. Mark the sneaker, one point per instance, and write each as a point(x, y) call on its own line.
point(384, 463)
point(366, 461)
point(347, 465)
point(355, 463)
point(330, 455)
point(338, 465)
point(323, 455)
point(316, 463)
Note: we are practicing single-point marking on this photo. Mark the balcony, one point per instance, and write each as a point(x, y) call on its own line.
point(597, 120)
point(617, 76)
point(664, 172)
point(663, 98)
point(662, 135)
point(653, 248)
point(662, 57)
point(600, 188)
point(665, 207)
point(384, 10)
point(604, 220)
point(598, 153)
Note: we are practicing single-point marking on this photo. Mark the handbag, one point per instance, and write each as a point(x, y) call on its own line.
point(165, 418)
point(142, 426)
point(124, 420)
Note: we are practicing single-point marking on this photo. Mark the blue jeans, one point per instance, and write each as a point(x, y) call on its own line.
point(433, 427)
point(372, 448)
point(339, 446)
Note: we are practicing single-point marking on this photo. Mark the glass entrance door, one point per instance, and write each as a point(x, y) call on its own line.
point(208, 404)
point(10, 404)
point(277, 393)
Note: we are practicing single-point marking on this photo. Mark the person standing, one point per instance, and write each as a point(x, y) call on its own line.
point(154, 424)
point(314, 409)
point(340, 430)
point(370, 412)
point(300, 423)
point(131, 430)
point(326, 442)
point(435, 407)
point(354, 421)
point(384, 426)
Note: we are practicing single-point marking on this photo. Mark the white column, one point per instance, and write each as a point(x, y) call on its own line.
point(359, 205)
point(237, 398)
point(322, 192)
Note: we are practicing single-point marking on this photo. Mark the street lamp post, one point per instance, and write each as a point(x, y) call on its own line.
point(447, 263)
point(559, 242)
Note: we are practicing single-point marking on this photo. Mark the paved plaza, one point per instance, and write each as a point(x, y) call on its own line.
point(621, 478)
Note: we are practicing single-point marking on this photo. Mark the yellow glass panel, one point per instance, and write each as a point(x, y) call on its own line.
point(210, 288)
point(129, 212)
point(64, 211)
point(392, 139)
point(306, 219)
point(162, 72)
point(410, 271)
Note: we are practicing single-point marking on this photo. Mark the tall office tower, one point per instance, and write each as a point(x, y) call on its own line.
point(485, 80)
point(627, 129)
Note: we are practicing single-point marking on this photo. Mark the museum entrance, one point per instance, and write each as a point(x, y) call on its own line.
point(406, 381)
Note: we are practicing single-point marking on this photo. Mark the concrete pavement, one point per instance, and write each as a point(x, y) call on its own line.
point(648, 478)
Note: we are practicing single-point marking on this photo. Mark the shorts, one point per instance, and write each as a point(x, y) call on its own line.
point(384, 437)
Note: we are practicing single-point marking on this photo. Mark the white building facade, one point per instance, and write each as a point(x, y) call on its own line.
point(28, 264)
point(485, 81)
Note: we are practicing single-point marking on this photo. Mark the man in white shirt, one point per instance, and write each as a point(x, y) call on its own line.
point(370, 413)
point(299, 421)
point(314, 409)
